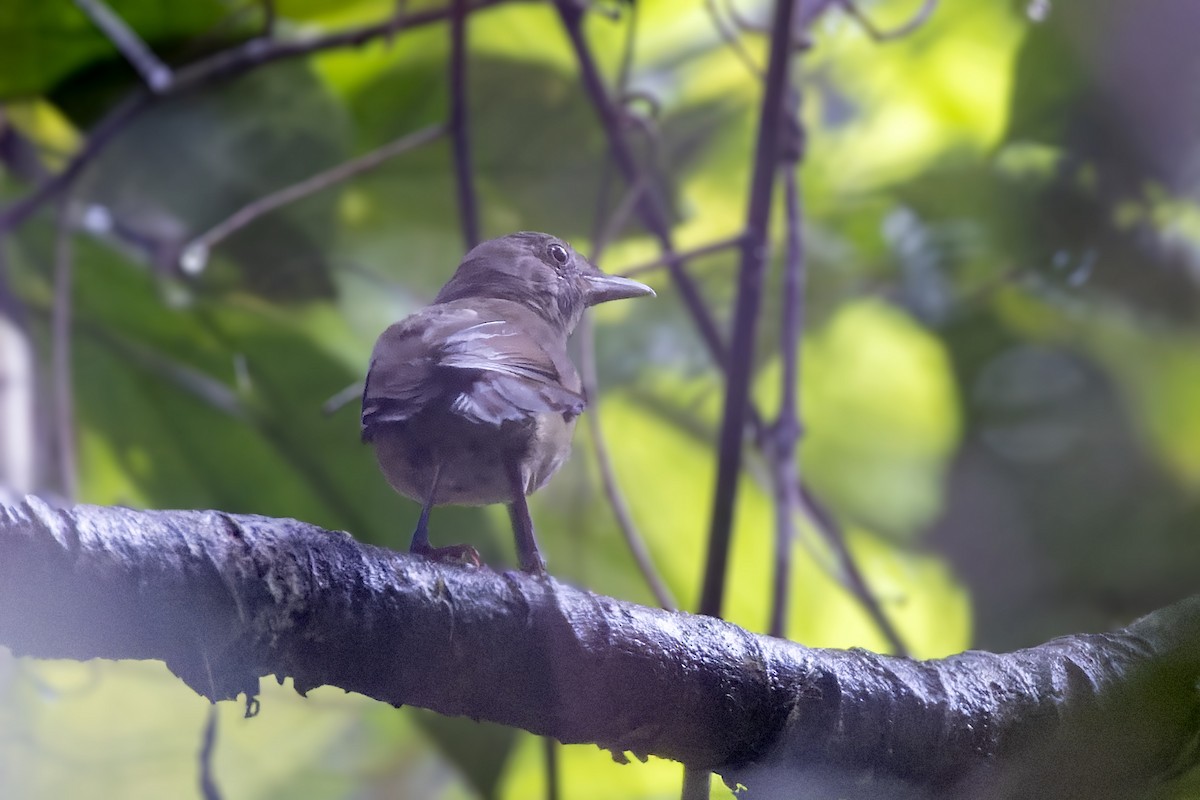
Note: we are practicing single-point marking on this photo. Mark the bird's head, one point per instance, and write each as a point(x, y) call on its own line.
point(541, 272)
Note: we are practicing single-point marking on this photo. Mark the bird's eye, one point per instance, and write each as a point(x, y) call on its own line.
point(559, 254)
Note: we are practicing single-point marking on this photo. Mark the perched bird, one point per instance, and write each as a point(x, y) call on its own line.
point(472, 400)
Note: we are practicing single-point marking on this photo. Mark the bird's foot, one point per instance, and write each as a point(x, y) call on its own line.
point(450, 554)
point(533, 563)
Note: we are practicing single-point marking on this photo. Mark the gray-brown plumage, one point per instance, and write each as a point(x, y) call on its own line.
point(472, 400)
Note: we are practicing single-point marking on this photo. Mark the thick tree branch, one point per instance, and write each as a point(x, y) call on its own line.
point(226, 599)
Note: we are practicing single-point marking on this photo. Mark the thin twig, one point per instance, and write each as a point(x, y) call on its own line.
point(649, 206)
point(738, 408)
point(920, 18)
point(746, 309)
point(681, 258)
point(222, 65)
point(98, 139)
point(743, 22)
point(788, 488)
point(256, 52)
point(194, 255)
point(64, 410)
point(732, 39)
point(625, 71)
point(611, 228)
point(338, 401)
point(21, 157)
point(607, 229)
point(269, 18)
point(836, 537)
point(611, 118)
point(612, 489)
point(153, 71)
point(784, 434)
point(779, 441)
point(399, 9)
point(468, 205)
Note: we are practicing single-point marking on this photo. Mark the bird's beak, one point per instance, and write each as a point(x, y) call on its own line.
point(600, 288)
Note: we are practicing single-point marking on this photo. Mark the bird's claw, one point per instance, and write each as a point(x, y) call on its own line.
point(462, 554)
point(533, 565)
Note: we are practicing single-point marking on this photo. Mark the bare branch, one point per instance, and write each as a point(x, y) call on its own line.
point(99, 137)
point(220, 66)
point(732, 38)
point(194, 255)
point(783, 436)
point(743, 22)
point(464, 174)
point(64, 402)
point(608, 477)
point(851, 576)
point(746, 308)
point(920, 18)
point(269, 18)
point(342, 398)
point(681, 258)
point(650, 208)
point(802, 497)
point(617, 220)
point(226, 599)
point(605, 231)
point(155, 74)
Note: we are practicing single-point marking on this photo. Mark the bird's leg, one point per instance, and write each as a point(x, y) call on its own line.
point(420, 540)
point(518, 512)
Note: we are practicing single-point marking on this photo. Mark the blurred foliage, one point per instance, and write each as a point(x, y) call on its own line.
point(44, 43)
point(1000, 371)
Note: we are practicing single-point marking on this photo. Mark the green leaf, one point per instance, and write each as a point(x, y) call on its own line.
point(229, 144)
point(44, 41)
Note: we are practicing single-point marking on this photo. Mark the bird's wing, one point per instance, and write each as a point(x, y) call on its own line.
point(487, 371)
point(400, 381)
point(517, 376)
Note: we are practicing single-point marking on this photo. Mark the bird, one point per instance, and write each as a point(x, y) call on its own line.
point(472, 400)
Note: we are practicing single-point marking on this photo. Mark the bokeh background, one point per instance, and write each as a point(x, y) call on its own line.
point(1001, 362)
